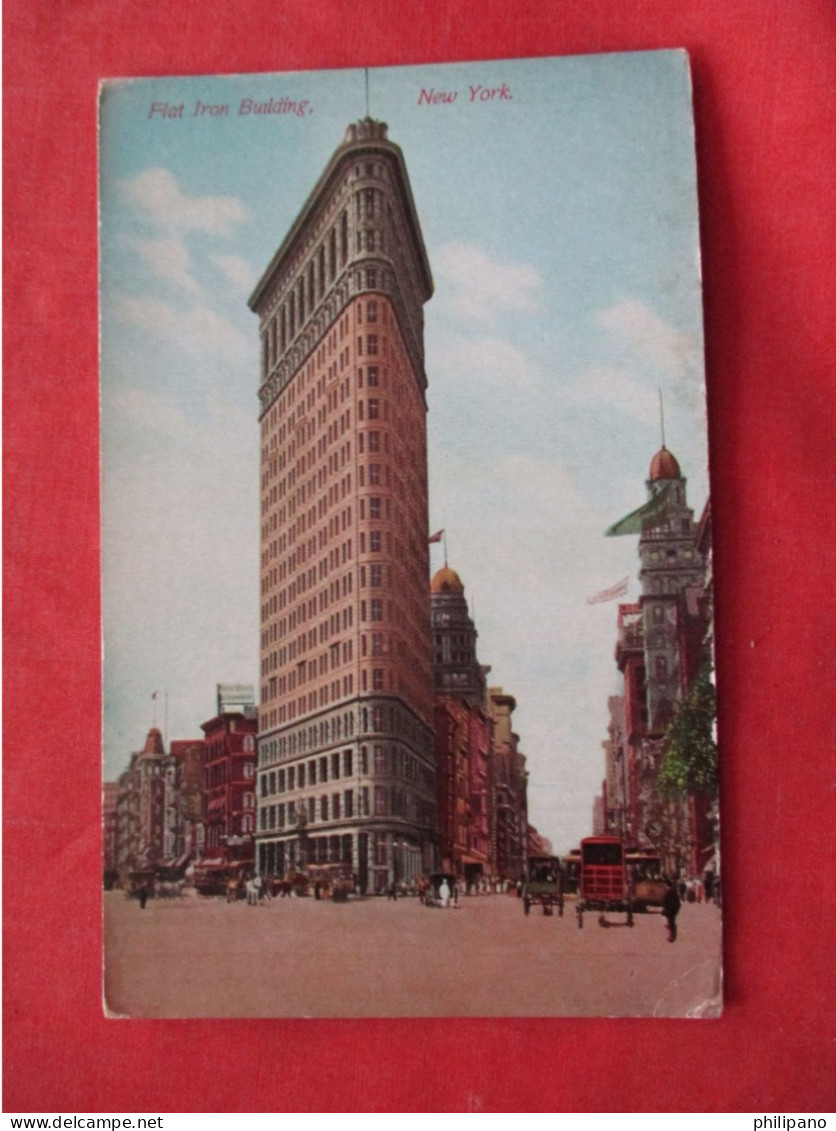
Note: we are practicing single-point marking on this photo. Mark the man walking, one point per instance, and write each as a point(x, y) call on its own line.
point(670, 909)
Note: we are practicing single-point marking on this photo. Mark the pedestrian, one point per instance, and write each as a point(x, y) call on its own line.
point(444, 893)
point(143, 897)
point(670, 908)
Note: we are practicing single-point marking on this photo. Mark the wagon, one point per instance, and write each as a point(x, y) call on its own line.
point(543, 885)
point(220, 877)
point(432, 893)
point(647, 885)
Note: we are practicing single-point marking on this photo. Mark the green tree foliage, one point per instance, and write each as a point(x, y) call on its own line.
point(689, 764)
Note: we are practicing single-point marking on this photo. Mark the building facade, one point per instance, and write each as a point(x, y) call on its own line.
point(110, 832)
point(189, 755)
point(463, 734)
point(148, 833)
point(229, 772)
point(457, 672)
point(346, 771)
point(509, 790)
point(662, 642)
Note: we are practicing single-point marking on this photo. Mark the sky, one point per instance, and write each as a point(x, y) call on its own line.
point(557, 199)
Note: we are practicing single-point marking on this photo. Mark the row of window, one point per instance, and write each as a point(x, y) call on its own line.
point(223, 771)
point(379, 801)
point(373, 643)
point(375, 679)
point(306, 291)
point(391, 761)
point(219, 748)
point(379, 717)
point(285, 437)
point(314, 279)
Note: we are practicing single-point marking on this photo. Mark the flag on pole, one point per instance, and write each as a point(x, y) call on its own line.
point(650, 514)
point(617, 590)
point(439, 534)
point(153, 695)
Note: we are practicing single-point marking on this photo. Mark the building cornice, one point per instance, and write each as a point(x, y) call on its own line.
point(349, 150)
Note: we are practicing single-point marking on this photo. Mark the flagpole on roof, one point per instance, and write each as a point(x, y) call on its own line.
point(444, 539)
point(367, 91)
point(662, 416)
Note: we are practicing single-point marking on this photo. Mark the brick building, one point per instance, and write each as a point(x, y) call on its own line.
point(346, 748)
point(148, 834)
point(463, 734)
point(509, 790)
point(229, 774)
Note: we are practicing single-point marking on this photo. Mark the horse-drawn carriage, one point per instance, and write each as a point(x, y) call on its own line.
point(221, 877)
point(440, 890)
point(331, 881)
point(543, 885)
point(647, 884)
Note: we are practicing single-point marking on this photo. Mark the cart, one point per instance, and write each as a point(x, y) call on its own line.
point(604, 884)
point(647, 885)
point(544, 885)
point(432, 894)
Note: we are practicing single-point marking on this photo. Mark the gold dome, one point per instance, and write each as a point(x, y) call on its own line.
point(446, 581)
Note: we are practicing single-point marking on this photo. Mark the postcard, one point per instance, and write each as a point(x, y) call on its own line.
point(408, 635)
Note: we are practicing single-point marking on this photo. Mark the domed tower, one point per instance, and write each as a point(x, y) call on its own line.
point(456, 670)
point(154, 743)
point(670, 565)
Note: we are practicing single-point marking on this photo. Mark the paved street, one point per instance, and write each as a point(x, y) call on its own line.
point(200, 957)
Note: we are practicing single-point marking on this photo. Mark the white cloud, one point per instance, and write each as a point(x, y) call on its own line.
point(616, 389)
point(156, 193)
point(650, 336)
point(482, 287)
point(180, 560)
point(167, 258)
point(198, 331)
point(479, 361)
point(237, 270)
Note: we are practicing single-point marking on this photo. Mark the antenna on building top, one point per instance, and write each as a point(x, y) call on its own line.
point(662, 416)
point(367, 92)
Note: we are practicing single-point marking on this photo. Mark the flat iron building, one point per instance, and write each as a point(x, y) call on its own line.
point(346, 770)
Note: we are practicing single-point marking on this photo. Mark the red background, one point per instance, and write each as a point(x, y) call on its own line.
point(764, 73)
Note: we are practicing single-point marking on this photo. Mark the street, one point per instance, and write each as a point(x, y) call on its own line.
point(292, 957)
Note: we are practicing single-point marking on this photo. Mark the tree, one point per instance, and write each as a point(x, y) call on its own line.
point(689, 764)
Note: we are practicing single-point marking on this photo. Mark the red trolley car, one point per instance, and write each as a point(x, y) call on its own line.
point(604, 884)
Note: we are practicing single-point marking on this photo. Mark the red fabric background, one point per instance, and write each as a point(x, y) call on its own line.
point(764, 75)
